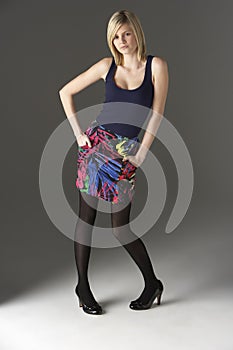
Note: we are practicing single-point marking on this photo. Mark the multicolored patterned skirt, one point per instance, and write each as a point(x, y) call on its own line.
point(101, 169)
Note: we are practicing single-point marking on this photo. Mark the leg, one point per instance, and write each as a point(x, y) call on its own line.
point(82, 244)
point(135, 247)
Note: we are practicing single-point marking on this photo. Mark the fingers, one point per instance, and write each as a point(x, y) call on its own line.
point(86, 140)
point(126, 158)
point(131, 159)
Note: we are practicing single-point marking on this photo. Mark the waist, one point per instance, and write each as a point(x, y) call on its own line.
point(118, 129)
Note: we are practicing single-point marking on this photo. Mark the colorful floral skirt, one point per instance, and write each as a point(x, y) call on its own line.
point(101, 169)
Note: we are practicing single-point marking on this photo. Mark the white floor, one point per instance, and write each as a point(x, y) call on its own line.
point(50, 318)
point(196, 311)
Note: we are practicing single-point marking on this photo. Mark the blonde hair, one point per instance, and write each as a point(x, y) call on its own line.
point(115, 22)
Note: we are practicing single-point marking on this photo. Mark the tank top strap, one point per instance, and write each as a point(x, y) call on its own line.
point(111, 70)
point(148, 74)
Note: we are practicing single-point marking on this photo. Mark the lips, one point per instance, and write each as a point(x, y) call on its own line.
point(124, 47)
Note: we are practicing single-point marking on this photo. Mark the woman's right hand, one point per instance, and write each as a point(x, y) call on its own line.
point(83, 140)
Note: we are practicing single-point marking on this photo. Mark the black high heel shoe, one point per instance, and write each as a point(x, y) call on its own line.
point(93, 309)
point(138, 305)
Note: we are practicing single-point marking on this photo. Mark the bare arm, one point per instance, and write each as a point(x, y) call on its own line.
point(79, 83)
point(161, 81)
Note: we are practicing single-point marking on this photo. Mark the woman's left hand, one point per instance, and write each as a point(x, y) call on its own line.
point(135, 160)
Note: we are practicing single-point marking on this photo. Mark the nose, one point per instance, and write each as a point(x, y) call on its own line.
point(123, 39)
point(123, 42)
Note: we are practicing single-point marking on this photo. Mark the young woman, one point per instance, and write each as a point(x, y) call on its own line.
point(130, 76)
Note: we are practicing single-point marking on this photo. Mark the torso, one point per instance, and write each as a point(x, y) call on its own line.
point(134, 91)
point(129, 80)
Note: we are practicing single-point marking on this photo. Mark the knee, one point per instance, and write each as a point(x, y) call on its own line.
point(121, 233)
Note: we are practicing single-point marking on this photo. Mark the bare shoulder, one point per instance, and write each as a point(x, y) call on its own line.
point(159, 67)
point(101, 66)
point(159, 62)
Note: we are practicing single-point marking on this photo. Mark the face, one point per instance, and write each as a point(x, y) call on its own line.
point(125, 40)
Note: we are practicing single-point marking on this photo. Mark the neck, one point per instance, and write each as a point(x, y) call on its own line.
point(130, 61)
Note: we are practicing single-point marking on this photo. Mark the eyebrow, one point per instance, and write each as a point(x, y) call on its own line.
point(124, 31)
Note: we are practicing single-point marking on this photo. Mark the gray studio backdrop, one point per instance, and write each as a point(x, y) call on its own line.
point(46, 44)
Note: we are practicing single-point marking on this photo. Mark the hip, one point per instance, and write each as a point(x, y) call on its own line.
point(100, 135)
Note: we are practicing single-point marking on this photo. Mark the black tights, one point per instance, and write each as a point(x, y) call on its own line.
point(132, 243)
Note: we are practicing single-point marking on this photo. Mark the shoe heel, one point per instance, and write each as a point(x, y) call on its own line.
point(95, 309)
point(159, 298)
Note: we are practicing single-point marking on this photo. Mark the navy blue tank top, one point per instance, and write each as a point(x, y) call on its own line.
point(131, 112)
